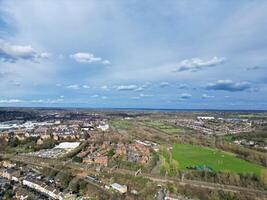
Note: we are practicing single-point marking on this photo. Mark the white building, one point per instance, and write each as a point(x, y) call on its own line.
point(103, 127)
point(67, 145)
point(205, 118)
point(120, 188)
point(43, 190)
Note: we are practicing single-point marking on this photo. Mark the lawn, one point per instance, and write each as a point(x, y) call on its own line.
point(164, 127)
point(192, 155)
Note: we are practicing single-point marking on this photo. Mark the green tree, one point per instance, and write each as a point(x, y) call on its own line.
point(111, 153)
point(77, 159)
point(83, 186)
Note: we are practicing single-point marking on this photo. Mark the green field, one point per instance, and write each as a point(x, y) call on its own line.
point(164, 127)
point(192, 155)
point(121, 124)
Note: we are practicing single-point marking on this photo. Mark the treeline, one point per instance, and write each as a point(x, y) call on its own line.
point(204, 193)
point(242, 152)
point(248, 180)
point(75, 151)
point(16, 115)
point(169, 166)
point(27, 145)
point(66, 180)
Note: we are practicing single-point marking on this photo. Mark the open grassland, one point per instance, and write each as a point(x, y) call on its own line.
point(122, 124)
point(164, 127)
point(192, 155)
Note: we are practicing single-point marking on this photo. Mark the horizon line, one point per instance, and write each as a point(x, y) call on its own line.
point(133, 108)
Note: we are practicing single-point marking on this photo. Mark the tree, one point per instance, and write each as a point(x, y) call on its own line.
point(165, 168)
point(263, 178)
point(64, 178)
point(111, 153)
point(172, 188)
point(8, 195)
point(74, 185)
point(77, 159)
point(49, 172)
point(83, 186)
point(174, 167)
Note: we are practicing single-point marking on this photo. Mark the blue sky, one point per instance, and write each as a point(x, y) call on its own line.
point(149, 54)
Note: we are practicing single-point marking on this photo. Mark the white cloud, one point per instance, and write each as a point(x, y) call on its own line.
point(12, 53)
point(44, 55)
point(145, 95)
point(86, 86)
point(229, 85)
point(182, 86)
point(74, 86)
point(43, 101)
point(106, 62)
point(206, 96)
point(38, 101)
point(164, 84)
point(135, 98)
point(196, 64)
point(144, 86)
point(84, 57)
point(95, 96)
point(139, 89)
point(127, 87)
point(10, 101)
point(47, 101)
point(104, 87)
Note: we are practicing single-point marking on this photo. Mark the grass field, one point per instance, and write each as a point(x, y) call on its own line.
point(192, 155)
point(164, 127)
point(121, 124)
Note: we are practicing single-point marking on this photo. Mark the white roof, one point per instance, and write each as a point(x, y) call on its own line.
point(118, 186)
point(67, 145)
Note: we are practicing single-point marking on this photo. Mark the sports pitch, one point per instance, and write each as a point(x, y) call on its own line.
point(191, 155)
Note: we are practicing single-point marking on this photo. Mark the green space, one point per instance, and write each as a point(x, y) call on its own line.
point(121, 124)
point(251, 115)
point(192, 155)
point(164, 127)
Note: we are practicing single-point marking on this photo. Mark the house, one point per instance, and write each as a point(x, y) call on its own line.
point(120, 150)
point(10, 174)
point(8, 164)
point(102, 160)
point(51, 192)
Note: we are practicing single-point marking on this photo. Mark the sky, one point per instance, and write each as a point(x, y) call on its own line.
point(209, 54)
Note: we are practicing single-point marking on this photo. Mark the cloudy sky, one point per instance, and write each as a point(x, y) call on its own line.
point(144, 54)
